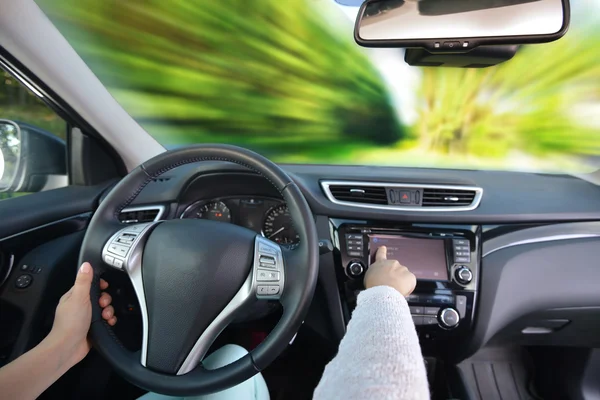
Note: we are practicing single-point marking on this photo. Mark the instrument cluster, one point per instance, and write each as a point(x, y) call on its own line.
point(267, 216)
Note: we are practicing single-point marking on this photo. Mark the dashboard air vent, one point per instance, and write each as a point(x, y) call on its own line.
point(359, 194)
point(141, 214)
point(419, 197)
point(447, 197)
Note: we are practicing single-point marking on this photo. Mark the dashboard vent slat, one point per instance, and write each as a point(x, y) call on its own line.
point(396, 196)
point(140, 215)
point(360, 194)
point(447, 198)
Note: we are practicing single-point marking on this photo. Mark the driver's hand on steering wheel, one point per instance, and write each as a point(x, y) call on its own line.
point(108, 312)
point(74, 315)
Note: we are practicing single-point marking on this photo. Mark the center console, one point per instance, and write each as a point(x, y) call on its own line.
point(445, 260)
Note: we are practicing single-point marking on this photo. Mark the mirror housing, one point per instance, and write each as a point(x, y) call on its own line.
point(10, 153)
point(32, 159)
point(458, 26)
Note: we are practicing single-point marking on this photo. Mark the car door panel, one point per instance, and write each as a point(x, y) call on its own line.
point(40, 237)
point(23, 213)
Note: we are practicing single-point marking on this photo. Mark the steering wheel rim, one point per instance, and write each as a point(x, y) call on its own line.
point(301, 271)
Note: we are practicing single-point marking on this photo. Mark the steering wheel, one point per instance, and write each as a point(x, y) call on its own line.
point(191, 278)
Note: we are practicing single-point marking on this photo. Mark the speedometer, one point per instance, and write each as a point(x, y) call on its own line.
point(278, 226)
point(214, 210)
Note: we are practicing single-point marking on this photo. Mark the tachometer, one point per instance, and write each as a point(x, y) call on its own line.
point(214, 210)
point(278, 226)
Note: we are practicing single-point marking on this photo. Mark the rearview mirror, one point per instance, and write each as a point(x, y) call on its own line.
point(459, 25)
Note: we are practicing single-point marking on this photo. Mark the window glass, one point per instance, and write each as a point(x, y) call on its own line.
point(32, 142)
point(286, 79)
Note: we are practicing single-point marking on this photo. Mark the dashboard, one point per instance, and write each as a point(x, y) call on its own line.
point(476, 255)
point(518, 268)
point(268, 216)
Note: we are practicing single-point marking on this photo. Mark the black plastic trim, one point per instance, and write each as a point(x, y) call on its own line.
point(23, 213)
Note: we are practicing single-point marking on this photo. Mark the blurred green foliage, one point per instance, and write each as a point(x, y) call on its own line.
point(18, 104)
point(286, 79)
point(271, 75)
point(527, 103)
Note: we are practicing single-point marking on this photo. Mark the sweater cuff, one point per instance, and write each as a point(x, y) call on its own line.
point(380, 293)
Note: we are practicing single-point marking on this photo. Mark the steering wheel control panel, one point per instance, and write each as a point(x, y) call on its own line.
point(444, 260)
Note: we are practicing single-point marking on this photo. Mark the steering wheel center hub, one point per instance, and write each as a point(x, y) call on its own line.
point(191, 271)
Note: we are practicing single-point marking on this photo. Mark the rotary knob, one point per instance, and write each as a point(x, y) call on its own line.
point(463, 275)
point(355, 269)
point(449, 318)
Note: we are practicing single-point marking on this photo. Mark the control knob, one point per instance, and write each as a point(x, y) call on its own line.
point(463, 275)
point(449, 318)
point(355, 269)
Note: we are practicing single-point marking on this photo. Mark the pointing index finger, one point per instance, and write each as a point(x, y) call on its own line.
point(381, 254)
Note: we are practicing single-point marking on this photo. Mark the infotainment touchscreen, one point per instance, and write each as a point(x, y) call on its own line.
point(426, 258)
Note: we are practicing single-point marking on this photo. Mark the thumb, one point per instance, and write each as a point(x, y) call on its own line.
point(83, 281)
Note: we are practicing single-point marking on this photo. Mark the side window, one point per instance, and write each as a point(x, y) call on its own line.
point(33, 147)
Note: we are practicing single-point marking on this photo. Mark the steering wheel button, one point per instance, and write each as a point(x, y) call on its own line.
point(118, 250)
point(110, 260)
point(262, 290)
point(263, 248)
point(135, 229)
point(273, 290)
point(267, 276)
point(267, 260)
point(118, 263)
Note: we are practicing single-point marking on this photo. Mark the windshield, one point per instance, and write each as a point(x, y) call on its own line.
point(285, 78)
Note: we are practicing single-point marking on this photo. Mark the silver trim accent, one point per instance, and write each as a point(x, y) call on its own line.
point(476, 200)
point(260, 243)
point(132, 264)
point(348, 272)
point(534, 330)
point(161, 211)
point(443, 314)
point(541, 234)
point(246, 295)
point(243, 297)
point(357, 191)
point(466, 281)
point(11, 264)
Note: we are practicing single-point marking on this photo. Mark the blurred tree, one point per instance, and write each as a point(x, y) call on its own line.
point(270, 74)
point(17, 103)
point(527, 104)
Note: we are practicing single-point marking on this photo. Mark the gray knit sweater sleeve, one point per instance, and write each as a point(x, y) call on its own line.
point(380, 356)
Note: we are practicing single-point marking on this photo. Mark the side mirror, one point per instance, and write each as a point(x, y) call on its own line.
point(459, 25)
point(10, 153)
point(31, 159)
